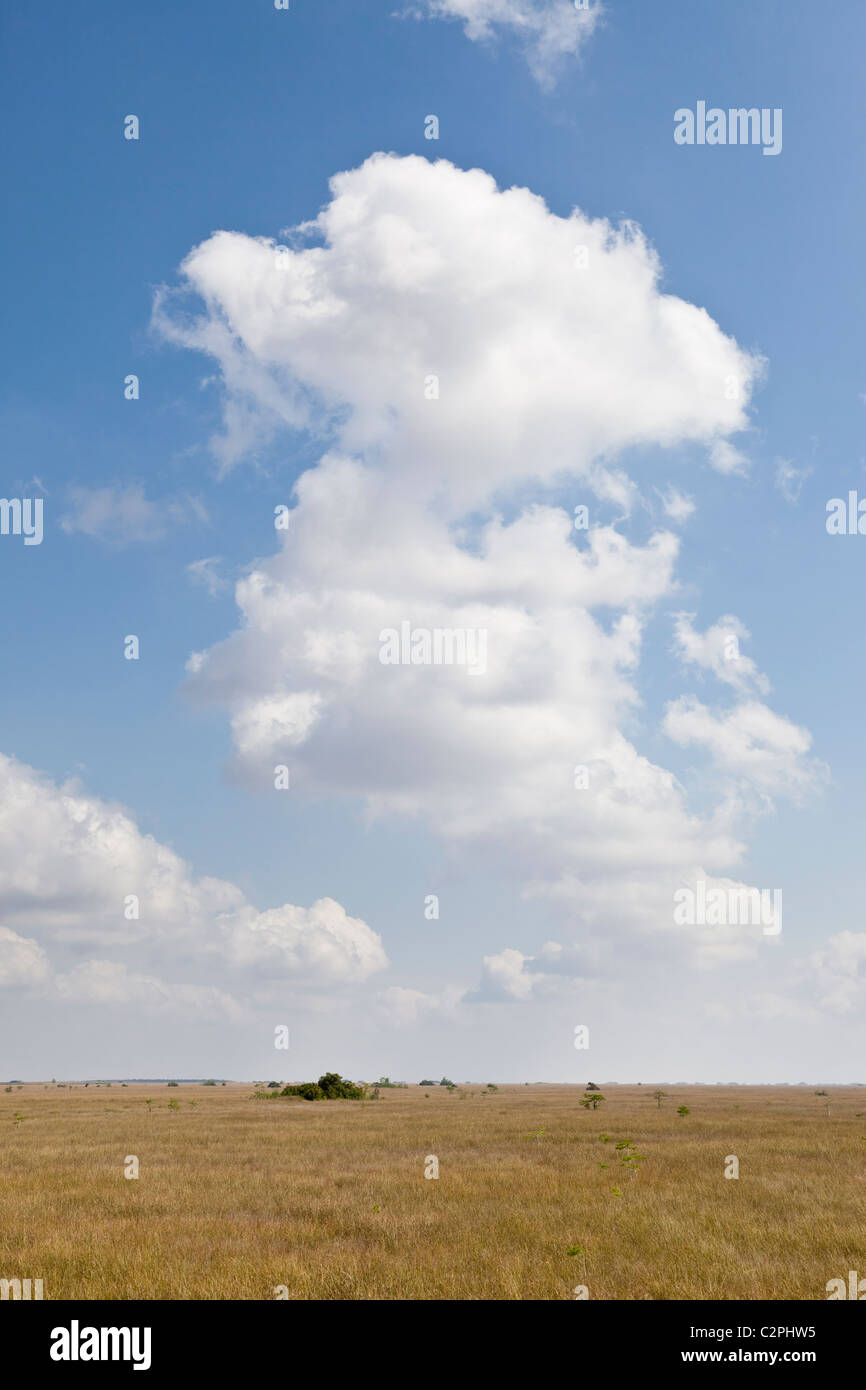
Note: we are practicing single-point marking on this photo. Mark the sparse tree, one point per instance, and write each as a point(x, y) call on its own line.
point(658, 1097)
point(591, 1101)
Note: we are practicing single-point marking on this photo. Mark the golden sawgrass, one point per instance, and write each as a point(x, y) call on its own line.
point(238, 1196)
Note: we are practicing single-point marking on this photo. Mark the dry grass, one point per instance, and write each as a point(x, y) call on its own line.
point(237, 1196)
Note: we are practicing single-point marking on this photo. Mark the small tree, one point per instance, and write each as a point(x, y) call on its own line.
point(592, 1100)
point(336, 1088)
point(628, 1156)
point(658, 1097)
point(683, 1110)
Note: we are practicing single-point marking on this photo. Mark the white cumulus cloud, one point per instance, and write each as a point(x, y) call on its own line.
point(550, 31)
point(70, 867)
point(439, 334)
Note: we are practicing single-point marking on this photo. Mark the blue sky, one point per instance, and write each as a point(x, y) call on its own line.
point(246, 115)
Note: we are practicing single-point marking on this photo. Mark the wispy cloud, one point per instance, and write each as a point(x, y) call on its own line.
point(122, 515)
point(203, 572)
point(549, 31)
point(725, 458)
point(790, 480)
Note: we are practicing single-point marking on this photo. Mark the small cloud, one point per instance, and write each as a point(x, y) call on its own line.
point(790, 480)
point(505, 976)
point(121, 515)
point(203, 572)
point(550, 31)
point(718, 650)
point(677, 506)
point(726, 459)
point(751, 743)
point(612, 485)
point(511, 975)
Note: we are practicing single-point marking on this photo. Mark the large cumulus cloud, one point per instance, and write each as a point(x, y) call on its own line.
point(462, 350)
point(70, 866)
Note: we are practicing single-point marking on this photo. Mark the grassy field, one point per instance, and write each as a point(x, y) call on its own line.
point(237, 1196)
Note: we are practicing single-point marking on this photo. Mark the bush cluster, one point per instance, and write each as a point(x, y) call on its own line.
point(331, 1086)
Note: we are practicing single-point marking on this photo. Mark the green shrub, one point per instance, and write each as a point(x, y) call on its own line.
point(331, 1086)
point(336, 1088)
point(308, 1090)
